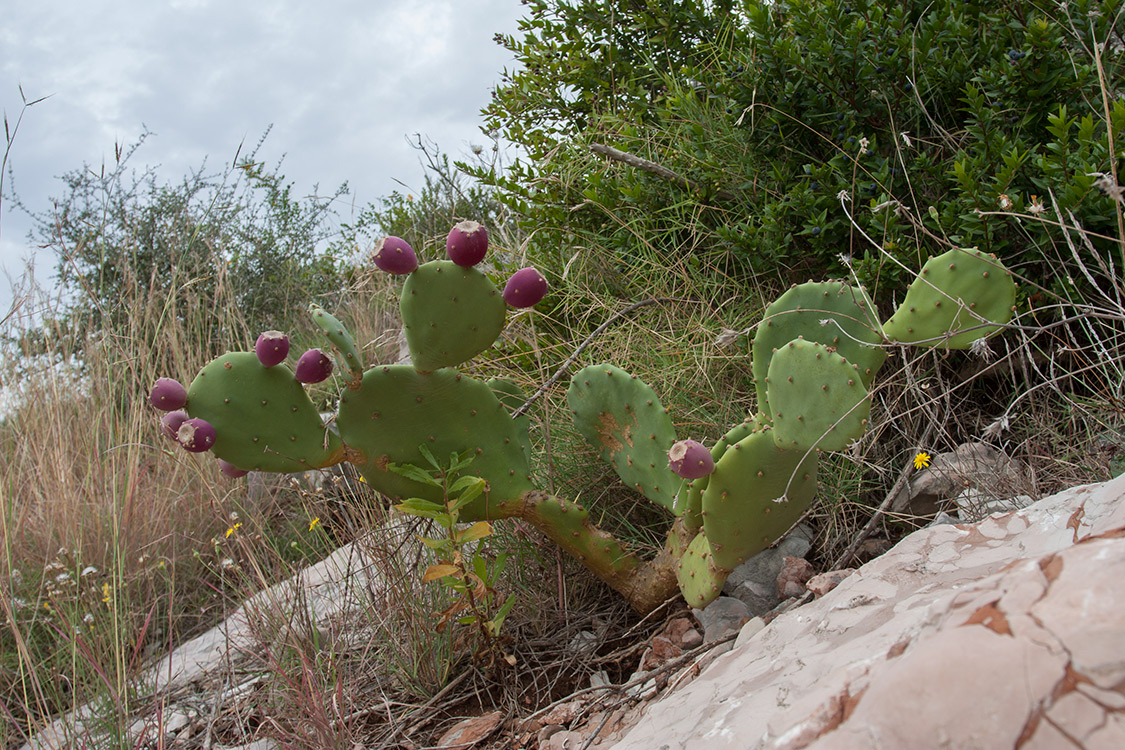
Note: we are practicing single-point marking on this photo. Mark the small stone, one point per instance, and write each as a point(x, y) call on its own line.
point(795, 571)
point(821, 584)
point(469, 732)
point(722, 617)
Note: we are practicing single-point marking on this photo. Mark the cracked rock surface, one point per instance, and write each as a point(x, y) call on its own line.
point(1008, 633)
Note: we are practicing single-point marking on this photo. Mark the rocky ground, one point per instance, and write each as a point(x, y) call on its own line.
point(1007, 632)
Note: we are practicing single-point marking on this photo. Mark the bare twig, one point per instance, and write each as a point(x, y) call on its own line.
point(845, 558)
point(660, 171)
point(582, 347)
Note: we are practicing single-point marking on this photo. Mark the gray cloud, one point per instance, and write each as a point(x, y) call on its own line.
point(342, 82)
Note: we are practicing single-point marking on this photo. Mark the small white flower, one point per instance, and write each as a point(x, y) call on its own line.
point(1036, 206)
point(863, 144)
point(1004, 201)
point(727, 337)
point(998, 426)
point(845, 259)
point(905, 136)
point(843, 196)
point(88, 618)
point(62, 578)
point(226, 562)
point(88, 570)
point(981, 349)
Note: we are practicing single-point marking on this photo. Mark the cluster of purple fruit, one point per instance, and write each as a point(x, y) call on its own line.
point(466, 246)
point(198, 435)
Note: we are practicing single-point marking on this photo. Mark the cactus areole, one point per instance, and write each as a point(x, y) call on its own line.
point(813, 360)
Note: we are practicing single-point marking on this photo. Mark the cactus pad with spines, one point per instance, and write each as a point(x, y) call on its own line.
point(689, 500)
point(450, 314)
point(700, 582)
point(341, 340)
point(946, 303)
point(742, 510)
point(263, 419)
point(622, 418)
point(833, 313)
point(818, 398)
point(396, 409)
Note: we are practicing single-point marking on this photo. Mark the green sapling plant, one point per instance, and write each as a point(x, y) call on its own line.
point(461, 565)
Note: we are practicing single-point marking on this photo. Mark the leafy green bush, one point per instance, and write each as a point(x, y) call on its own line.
point(237, 238)
point(799, 137)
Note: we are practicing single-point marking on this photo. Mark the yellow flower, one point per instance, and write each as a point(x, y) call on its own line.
point(232, 529)
point(106, 593)
point(314, 523)
point(922, 460)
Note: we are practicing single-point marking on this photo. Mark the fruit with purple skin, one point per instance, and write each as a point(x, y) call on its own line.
point(170, 422)
point(168, 395)
point(526, 287)
point(467, 243)
point(231, 470)
point(196, 435)
point(394, 255)
point(313, 366)
point(272, 348)
point(690, 459)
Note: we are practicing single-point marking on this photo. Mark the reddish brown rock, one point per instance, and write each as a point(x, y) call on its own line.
point(795, 571)
point(469, 732)
point(822, 583)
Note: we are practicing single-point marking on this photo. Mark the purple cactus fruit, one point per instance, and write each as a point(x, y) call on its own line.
point(272, 348)
point(231, 470)
point(394, 255)
point(691, 460)
point(526, 287)
point(467, 243)
point(168, 395)
point(170, 422)
point(196, 435)
point(313, 366)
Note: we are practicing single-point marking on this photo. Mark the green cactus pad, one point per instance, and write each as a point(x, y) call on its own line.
point(946, 303)
point(263, 419)
point(818, 398)
point(450, 314)
point(700, 582)
point(851, 328)
point(623, 420)
point(512, 397)
point(689, 500)
point(396, 409)
point(743, 512)
point(341, 340)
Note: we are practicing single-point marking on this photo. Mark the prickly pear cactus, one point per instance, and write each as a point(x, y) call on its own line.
point(623, 419)
point(396, 409)
point(757, 492)
point(263, 419)
point(814, 358)
point(818, 398)
point(832, 313)
point(958, 297)
point(450, 314)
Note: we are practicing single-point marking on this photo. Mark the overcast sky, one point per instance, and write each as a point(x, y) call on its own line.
point(342, 82)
